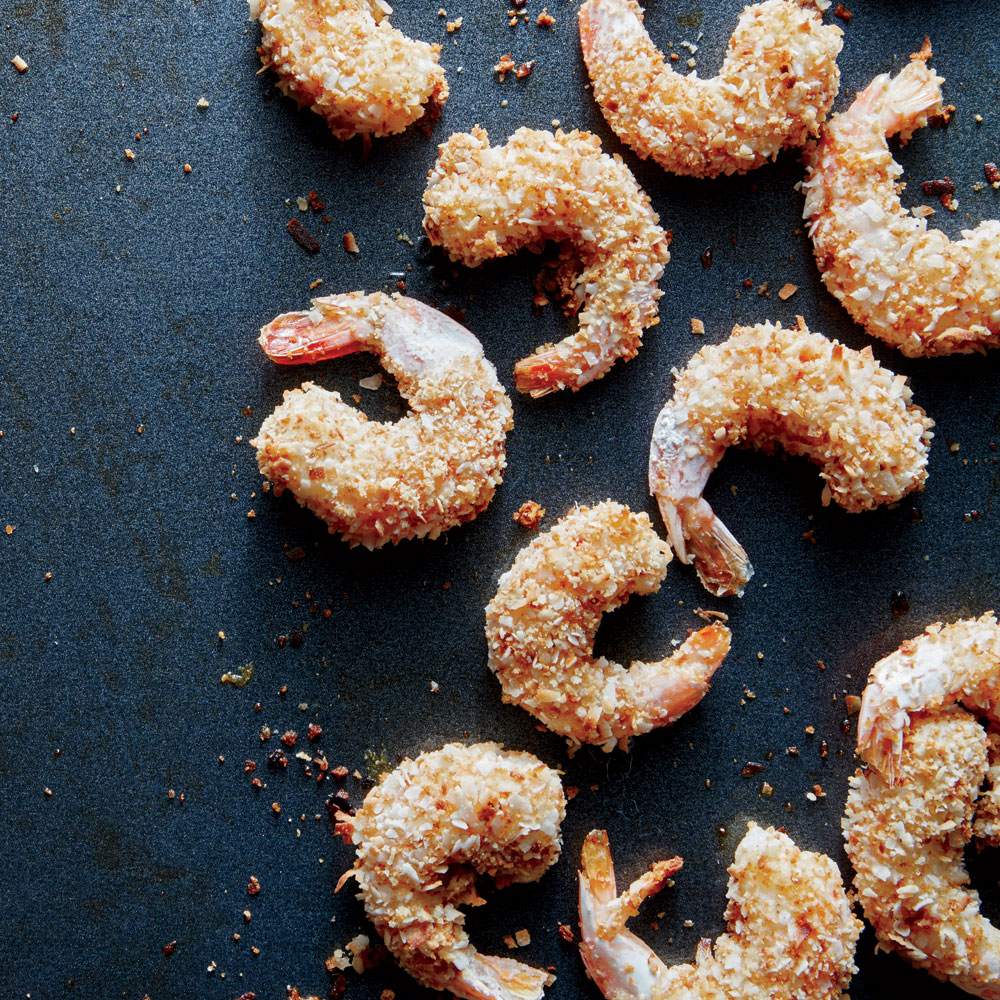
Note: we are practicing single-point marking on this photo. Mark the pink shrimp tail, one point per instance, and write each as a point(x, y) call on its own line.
point(902, 102)
point(720, 560)
point(295, 338)
point(541, 373)
point(489, 977)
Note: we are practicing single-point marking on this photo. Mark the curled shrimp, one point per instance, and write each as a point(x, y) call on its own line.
point(906, 284)
point(774, 90)
point(342, 59)
point(422, 835)
point(484, 202)
point(541, 624)
point(767, 385)
point(912, 811)
point(375, 482)
point(791, 930)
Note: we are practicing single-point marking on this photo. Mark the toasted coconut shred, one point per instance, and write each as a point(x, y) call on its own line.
point(483, 202)
point(541, 624)
point(775, 88)
point(767, 386)
point(343, 59)
point(932, 784)
point(908, 285)
point(422, 835)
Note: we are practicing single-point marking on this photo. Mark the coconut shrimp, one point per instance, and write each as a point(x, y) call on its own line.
point(422, 835)
point(906, 284)
point(342, 59)
point(911, 813)
point(541, 624)
point(766, 386)
point(375, 482)
point(774, 90)
point(484, 202)
point(791, 930)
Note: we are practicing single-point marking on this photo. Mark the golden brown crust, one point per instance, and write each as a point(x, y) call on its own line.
point(775, 88)
point(342, 59)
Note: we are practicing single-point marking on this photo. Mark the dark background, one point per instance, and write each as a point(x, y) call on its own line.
point(141, 308)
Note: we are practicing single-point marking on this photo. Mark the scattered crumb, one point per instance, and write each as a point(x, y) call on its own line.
point(129, 155)
point(371, 382)
point(19, 64)
point(202, 104)
point(566, 932)
point(522, 937)
point(504, 66)
point(766, 790)
point(787, 291)
point(350, 243)
point(697, 327)
point(10, 529)
point(842, 12)
point(853, 703)
point(453, 26)
point(529, 515)
point(545, 19)
point(315, 284)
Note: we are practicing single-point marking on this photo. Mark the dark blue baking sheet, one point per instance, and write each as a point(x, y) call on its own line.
point(139, 308)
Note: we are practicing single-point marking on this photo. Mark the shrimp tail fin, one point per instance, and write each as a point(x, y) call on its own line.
point(335, 326)
point(623, 966)
point(541, 373)
point(902, 103)
point(720, 560)
point(489, 977)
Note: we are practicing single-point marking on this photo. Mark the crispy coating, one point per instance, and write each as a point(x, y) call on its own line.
point(540, 629)
point(768, 386)
point(423, 834)
point(381, 482)
point(791, 930)
point(921, 799)
point(342, 59)
point(906, 284)
point(483, 202)
point(775, 88)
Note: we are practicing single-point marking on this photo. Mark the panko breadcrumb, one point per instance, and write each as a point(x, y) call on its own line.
point(382, 482)
point(906, 284)
point(483, 202)
point(791, 935)
point(541, 624)
point(422, 836)
point(343, 59)
point(932, 783)
point(767, 386)
point(774, 90)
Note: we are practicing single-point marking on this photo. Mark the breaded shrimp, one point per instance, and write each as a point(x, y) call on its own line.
point(342, 59)
point(423, 834)
point(906, 284)
point(484, 202)
point(791, 930)
point(910, 814)
point(767, 386)
point(375, 482)
point(774, 90)
point(541, 624)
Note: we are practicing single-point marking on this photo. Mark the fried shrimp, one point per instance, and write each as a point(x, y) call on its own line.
point(774, 90)
point(771, 386)
point(375, 482)
point(342, 59)
point(541, 624)
point(791, 930)
point(911, 813)
point(484, 202)
point(422, 835)
point(906, 284)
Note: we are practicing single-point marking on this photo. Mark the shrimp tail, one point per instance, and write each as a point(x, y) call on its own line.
point(541, 373)
point(902, 102)
point(623, 966)
point(335, 326)
point(720, 560)
point(489, 977)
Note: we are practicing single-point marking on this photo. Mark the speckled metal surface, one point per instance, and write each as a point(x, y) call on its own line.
point(131, 295)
